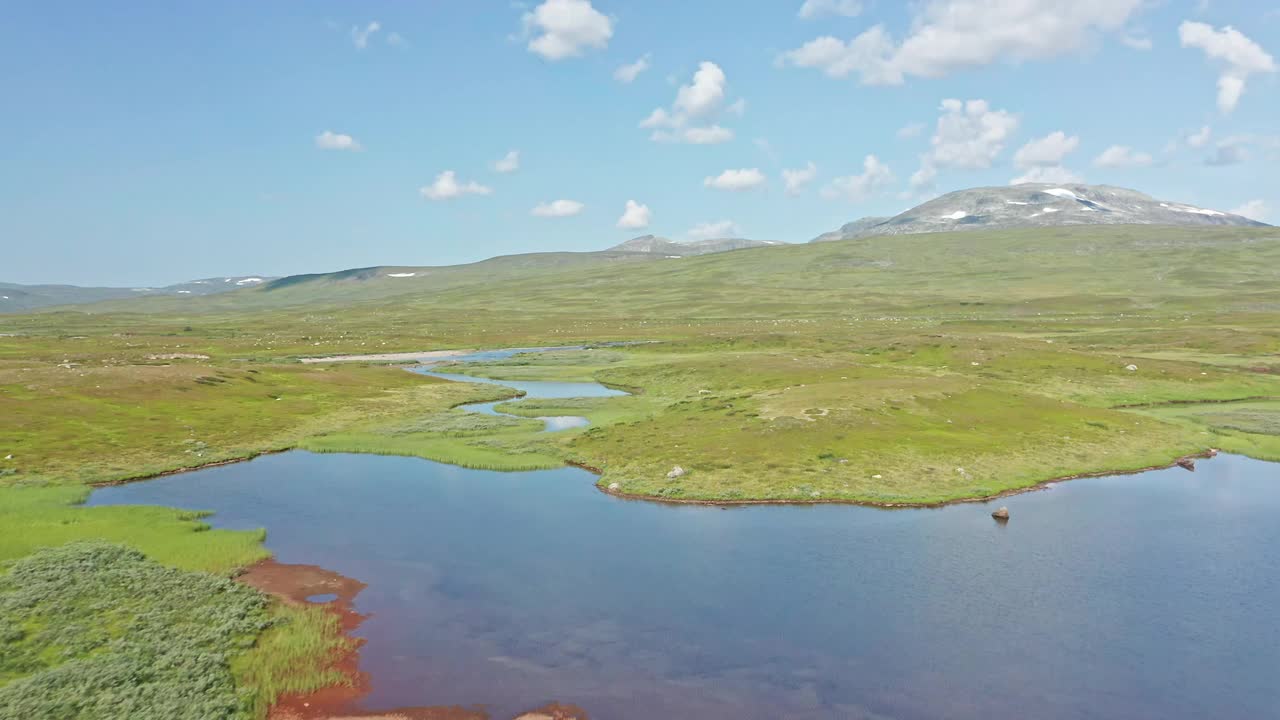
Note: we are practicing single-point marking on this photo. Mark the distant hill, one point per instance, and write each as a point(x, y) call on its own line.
point(17, 298)
point(1037, 205)
point(662, 246)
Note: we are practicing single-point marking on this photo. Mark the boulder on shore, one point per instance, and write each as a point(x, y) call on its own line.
point(676, 472)
point(1001, 514)
point(1187, 464)
point(615, 486)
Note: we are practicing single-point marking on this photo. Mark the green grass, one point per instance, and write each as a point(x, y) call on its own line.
point(291, 656)
point(912, 369)
point(40, 517)
point(96, 631)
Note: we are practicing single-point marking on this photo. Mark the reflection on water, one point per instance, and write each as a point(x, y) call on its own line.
point(1147, 596)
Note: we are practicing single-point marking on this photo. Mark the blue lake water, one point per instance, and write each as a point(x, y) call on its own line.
point(1145, 596)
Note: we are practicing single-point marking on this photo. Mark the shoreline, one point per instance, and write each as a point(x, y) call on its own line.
point(899, 505)
point(387, 357)
point(904, 505)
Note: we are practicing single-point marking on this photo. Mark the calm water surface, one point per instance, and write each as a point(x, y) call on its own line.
point(1148, 596)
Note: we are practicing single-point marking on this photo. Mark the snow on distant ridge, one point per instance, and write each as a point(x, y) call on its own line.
point(1033, 205)
point(401, 275)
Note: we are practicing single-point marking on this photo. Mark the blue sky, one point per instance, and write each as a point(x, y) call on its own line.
point(152, 142)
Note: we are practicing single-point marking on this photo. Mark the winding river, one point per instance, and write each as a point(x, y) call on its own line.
point(1142, 596)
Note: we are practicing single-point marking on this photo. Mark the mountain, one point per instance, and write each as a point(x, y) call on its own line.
point(655, 245)
point(1037, 205)
point(17, 298)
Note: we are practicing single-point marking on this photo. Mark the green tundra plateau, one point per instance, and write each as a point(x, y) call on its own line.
point(892, 370)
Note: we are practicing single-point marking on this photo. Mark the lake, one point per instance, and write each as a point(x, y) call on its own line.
point(1144, 596)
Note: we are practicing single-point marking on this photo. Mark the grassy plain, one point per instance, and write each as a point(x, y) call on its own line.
point(896, 370)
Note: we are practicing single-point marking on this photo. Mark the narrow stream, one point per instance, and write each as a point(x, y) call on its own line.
point(530, 388)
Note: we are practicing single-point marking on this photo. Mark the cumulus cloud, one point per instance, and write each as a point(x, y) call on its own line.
point(1041, 159)
point(704, 94)
point(558, 208)
point(1055, 174)
point(559, 29)
point(1046, 151)
point(360, 35)
point(744, 179)
point(701, 101)
point(856, 188)
point(709, 230)
point(629, 72)
point(329, 140)
point(1200, 138)
point(817, 8)
point(635, 216)
point(508, 163)
point(947, 35)
point(447, 187)
point(922, 179)
point(1122, 156)
point(796, 180)
point(970, 135)
point(1238, 56)
point(1254, 210)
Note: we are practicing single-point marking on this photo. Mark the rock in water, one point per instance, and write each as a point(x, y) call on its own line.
point(676, 472)
point(1187, 464)
point(1001, 514)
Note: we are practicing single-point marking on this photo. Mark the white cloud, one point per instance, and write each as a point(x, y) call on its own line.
point(1137, 41)
point(1041, 159)
point(1055, 174)
point(704, 95)
point(558, 208)
point(701, 100)
point(329, 140)
point(447, 187)
point(635, 216)
point(1122, 156)
point(947, 35)
point(922, 179)
point(629, 72)
point(1254, 210)
point(970, 135)
point(1046, 151)
point(360, 36)
point(875, 177)
point(744, 179)
point(708, 230)
point(1200, 138)
point(910, 130)
point(737, 107)
point(709, 135)
point(796, 180)
point(509, 163)
point(566, 28)
point(817, 8)
point(1239, 57)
